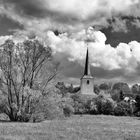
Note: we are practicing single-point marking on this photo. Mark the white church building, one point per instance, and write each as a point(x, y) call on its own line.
point(87, 80)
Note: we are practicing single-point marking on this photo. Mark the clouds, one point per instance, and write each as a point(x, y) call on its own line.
point(124, 56)
point(83, 9)
point(64, 14)
point(71, 19)
point(4, 38)
point(107, 62)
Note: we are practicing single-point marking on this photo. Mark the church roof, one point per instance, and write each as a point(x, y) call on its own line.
point(87, 66)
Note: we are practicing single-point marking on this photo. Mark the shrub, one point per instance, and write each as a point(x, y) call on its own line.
point(115, 95)
point(135, 89)
point(37, 117)
point(81, 103)
point(122, 109)
point(102, 104)
point(91, 107)
point(68, 110)
point(107, 108)
point(4, 117)
point(105, 105)
point(96, 89)
point(52, 106)
point(47, 108)
point(66, 103)
point(138, 102)
point(137, 114)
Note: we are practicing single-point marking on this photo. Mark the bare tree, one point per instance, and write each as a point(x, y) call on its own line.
point(21, 66)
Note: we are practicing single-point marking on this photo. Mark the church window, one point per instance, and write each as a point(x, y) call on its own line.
point(88, 82)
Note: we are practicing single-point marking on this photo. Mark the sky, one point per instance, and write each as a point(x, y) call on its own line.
point(110, 29)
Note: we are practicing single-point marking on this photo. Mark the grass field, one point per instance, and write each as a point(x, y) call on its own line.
point(74, 128)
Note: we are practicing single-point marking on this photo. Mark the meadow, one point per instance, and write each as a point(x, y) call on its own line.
point(86, 127)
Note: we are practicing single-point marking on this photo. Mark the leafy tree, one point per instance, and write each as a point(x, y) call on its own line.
point(115, 95)
point(66, 89)
point(96, 89)
point(122, 86)
point(46, 108)
point(122, 109)
point(63, 89)
point(72, 89)
point(121, 95)
point(137, 99)
point(135, 89)
point(22, 67)
point(104, 103)
point(104, 86)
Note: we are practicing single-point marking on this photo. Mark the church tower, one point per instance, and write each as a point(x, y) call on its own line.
point(87, 81)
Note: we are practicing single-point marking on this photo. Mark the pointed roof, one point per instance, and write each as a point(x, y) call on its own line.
point(87, 66)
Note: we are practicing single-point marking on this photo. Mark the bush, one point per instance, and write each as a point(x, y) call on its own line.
point(47, 108)
point(37, 117)
point(4, 117)
point(68, 110)
point(122, 109)
point(96, 89)
point(137, 114)
point(102, 104)
point(52, 106)
point(67, 104)
point(105, 105)
point(91, 107)
point(79, 104)
point(115, 95)
point(138, 103)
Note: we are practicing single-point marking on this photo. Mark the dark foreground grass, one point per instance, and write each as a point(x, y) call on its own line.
point(74, 128)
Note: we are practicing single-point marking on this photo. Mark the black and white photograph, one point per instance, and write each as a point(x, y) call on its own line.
point(69, 69)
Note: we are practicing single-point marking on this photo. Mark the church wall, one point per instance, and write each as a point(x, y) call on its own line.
point(87, 86)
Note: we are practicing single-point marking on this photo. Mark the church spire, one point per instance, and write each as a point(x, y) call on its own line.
point(87, 66)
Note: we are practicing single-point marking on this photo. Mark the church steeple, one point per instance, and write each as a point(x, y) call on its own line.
point(87, 66)
point(87, 81)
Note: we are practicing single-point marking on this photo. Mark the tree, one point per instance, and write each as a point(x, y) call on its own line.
point(122, 86)
point(104, 86)
point(121, 95)
point(21, 68)
point(96, 89)
point(135, 89)
point(137, 99)
point(63, 89)
point(115, 95)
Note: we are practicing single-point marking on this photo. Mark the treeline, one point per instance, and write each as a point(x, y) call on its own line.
point(111, 99)
point(111, 88)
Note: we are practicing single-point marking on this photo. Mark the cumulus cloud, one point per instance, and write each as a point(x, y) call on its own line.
point(63, 14)
point(73, 46)
point(4, 38)
point(16, 39)
point(41, 17)
point(107, 62)
point(124, 56)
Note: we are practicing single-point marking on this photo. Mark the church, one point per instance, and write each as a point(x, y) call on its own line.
point(87, 80)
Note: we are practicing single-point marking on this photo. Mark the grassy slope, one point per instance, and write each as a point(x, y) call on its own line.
point(74, 128)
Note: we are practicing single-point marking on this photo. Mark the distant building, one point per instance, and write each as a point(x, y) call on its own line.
point(87, 81)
